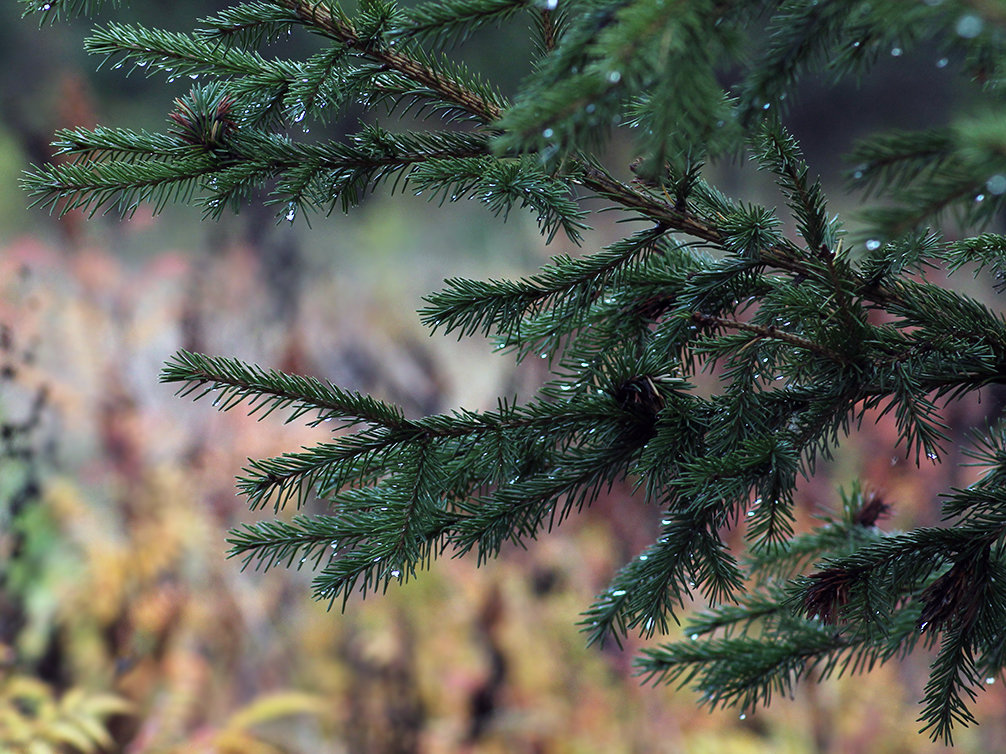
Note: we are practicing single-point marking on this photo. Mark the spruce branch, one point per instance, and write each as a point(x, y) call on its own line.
point(569, 285)
point(807, 335)
point(331, 21)
point(453, 21)
point(233, 383)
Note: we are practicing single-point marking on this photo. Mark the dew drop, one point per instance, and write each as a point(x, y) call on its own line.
point(614, 77)
point(766, 106)
point(291, 212)
point(969, 26)
point(942, 62)
point(590, 108)
point(618, 593)
point(643, 558)
point(980, 198)
point(694, 637)
point(396, 573)
point(551, 4)
point(873, 244)
point(896, 52)
point(299, 116)
point(742, 716)
point(996, 184)
point(989, 681)
point(931, 456)
point(548, 133)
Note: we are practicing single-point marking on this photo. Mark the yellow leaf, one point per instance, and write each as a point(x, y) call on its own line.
point(108, 704)
point(68, 733)
point(270, 707)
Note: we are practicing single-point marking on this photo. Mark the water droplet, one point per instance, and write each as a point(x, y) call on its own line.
point(896, 52)
point(299, 116)
point(548, 133)
point(291, 212)
point(766, 106)
point(643, 558)
point(996, 184)
point(872, 245)
point(193, 76)
point(614, 77)
point(619, 593)
point(989, 681)
point(931, 456)
point(942, 62)
point(969, 26)
point(551, 4)
point(857, 43)
point(395, 573)
point(694, 637)
point(980, 198)
point(742, 716)
point(590, 108)
point(751, 514)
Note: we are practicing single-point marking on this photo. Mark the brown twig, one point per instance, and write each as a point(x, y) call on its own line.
point(769, 332)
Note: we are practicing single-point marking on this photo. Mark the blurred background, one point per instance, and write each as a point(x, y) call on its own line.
point(123, 627)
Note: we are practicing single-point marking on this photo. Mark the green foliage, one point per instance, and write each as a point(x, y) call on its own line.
point(809, 331)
